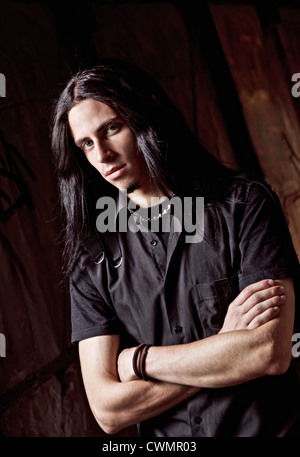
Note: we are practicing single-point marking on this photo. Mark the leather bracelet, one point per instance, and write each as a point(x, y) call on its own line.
point(142, 370)
point(134, 360)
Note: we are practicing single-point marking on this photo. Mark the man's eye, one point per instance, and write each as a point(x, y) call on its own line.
point(87, 144)
point(112, 128)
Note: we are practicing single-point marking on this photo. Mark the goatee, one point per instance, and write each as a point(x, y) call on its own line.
point(132, 188)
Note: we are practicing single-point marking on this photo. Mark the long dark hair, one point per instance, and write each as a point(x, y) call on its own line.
point(174, 157)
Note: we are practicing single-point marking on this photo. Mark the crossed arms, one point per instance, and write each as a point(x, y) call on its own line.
point(255, 341)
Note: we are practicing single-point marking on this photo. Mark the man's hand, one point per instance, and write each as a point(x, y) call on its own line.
point(257, 304)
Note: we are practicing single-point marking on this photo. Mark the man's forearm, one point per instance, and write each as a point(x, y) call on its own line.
point(240, 352)
point(136, 401)
point(116, 404)
point(221, 360)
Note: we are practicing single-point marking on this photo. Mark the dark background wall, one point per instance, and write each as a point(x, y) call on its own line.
point(228, 66)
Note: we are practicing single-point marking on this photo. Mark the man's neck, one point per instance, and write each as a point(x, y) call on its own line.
point(146, 201)
point(145, 198)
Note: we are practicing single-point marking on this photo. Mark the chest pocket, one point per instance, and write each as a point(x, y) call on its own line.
point(210, 302)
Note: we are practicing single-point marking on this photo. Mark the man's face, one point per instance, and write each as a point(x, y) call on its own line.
point(109, 144)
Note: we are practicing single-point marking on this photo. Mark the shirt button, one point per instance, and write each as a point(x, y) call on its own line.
point(178, 329)
point(197, 419)
point(153, 242)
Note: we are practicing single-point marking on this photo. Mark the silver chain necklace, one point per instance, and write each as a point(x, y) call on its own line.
point(158, 216)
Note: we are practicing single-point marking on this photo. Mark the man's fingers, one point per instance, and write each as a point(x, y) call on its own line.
point(264, 317)
point(257, 292)
point(251, 289)
point(260, 308)
point(257, 304)
point(271, 296)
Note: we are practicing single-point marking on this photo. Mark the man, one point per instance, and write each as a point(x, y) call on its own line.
point(183, 339)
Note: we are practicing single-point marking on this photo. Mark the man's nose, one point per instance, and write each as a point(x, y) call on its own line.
point(101, 151)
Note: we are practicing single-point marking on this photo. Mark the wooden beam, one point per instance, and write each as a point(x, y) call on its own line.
point(265, 94)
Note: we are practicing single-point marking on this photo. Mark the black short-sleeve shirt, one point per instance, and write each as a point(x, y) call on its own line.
point(180, 293)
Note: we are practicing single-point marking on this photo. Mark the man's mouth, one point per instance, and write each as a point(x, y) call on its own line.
point(115, 172)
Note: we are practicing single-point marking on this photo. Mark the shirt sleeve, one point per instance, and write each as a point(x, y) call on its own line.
point(90, 314)
point(266, 248)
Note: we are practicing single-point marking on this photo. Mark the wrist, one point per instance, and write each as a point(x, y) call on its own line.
point(139, 361)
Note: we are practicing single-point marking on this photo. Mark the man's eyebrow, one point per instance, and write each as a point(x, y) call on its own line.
point(101, 127)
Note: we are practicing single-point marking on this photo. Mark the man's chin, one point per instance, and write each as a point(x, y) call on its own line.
point(131, 188)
